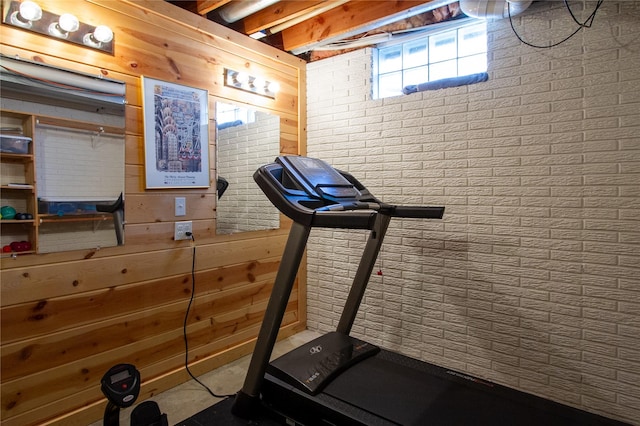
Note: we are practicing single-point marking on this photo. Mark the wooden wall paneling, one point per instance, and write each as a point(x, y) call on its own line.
point(21, 284)
point(159, 206)
point(154, 236)
point(226, 38)
point(37, 318)
point(129, 337)
point(92, 307)
point(171, 56)
point(230, 314)
point(152, 356)
point(227, 350)
point(134, 179)
point(177, 58)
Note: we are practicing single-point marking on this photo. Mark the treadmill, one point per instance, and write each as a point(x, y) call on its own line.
point(337, 379)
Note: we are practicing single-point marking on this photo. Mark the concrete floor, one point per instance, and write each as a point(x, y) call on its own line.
point(187, 399)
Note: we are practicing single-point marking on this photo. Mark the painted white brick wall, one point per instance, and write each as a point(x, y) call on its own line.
point(241, 150)
point(532, 279)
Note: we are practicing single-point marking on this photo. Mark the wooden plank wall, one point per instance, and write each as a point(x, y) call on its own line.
point(67, 317)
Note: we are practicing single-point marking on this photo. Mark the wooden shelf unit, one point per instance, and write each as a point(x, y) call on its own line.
point(19, 169)
point(18, 184)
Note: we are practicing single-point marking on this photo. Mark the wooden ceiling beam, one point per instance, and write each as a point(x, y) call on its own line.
point(346, 19)
point(205, 6)
point(278, 13)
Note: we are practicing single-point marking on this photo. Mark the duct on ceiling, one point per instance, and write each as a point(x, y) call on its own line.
point(235, 11)
point(493, 9)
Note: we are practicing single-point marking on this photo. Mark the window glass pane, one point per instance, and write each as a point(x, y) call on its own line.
point(444, 69)
point(226, 113)
point(472, 40)
point(390, 84)
point(390, 59)
point(443, 46)
point(416, 76)
point(415, 53)
point(472, 64)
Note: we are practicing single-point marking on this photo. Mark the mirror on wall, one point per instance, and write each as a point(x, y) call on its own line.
point(67, 177)
point(246, 139)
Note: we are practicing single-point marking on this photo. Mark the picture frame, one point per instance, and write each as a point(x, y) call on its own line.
point(176, 135)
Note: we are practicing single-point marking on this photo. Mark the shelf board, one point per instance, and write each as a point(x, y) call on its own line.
point(17, 188)
point(17, 253)
point(52, 218)
point(15, 222)
point(16, 157)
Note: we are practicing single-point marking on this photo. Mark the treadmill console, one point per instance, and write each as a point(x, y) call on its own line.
point(310, 191)
point(319, 178)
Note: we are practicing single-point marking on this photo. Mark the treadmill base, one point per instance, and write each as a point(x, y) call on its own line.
point(392, 389)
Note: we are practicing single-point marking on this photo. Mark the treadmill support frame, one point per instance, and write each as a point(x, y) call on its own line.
point(248, 398)
point(365, 268)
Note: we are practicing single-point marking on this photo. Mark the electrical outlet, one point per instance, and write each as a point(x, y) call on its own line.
point(181, 229)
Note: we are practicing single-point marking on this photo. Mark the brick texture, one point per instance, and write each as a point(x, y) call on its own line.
point(241, 150)
point(532, 279)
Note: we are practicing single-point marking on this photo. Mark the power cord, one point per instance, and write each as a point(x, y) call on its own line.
point(586, 24)
point(186, 316)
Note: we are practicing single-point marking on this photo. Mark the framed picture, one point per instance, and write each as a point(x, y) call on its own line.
point(176, 135)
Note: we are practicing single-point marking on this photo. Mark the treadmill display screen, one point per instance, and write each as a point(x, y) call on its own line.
point(323, 178)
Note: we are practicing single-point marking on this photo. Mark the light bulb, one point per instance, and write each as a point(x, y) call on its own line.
point(103, 34)
point(242, 77)
point(30, 11)
point(27, 13)
point(65, 25)
point(258, 83)
point(69, 23)
point(273, 87)
point(100, 35)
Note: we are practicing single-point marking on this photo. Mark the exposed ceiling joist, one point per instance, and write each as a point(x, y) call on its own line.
point(277, 14)
point(301, 27)
point(351, 18)
point(205, 6)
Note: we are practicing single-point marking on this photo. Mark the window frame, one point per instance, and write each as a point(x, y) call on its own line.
point(404, 43)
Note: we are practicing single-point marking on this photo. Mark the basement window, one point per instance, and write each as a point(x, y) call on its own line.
point(437, 60)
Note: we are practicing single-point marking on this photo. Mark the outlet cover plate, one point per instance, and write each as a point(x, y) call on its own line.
point(181, 229)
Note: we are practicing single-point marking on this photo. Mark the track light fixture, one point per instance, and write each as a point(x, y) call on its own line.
point(28, 15)
point(243, 81)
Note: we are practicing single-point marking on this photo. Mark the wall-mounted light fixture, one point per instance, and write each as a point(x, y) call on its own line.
point(257, 85)
point(28, 15)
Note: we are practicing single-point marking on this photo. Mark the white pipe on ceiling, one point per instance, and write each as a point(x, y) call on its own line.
point(27, 69)
point(235, 11)
point(493, 9)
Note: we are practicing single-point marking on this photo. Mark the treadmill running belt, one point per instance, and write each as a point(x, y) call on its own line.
point(387, 386)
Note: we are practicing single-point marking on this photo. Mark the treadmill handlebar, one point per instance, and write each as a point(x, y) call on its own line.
point(355, 205)
point(425, 212)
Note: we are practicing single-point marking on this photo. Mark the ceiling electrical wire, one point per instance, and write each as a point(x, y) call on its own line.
point(581, 25)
